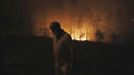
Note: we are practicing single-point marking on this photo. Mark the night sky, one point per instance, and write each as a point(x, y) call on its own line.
point(113, 18)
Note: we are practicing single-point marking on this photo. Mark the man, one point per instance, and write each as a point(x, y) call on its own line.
point(62, 42)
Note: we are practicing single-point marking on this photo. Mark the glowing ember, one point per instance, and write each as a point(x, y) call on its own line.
point(77, 38)
point(78, 34)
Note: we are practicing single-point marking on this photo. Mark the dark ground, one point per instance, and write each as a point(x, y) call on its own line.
point(33, 56)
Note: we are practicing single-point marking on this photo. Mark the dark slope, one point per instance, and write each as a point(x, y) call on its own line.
point(27, 55)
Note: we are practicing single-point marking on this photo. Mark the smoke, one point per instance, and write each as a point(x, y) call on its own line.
point(82, 19)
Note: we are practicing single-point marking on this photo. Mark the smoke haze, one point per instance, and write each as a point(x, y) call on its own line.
point(82, 19)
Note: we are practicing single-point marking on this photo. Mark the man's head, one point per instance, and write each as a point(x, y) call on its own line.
point(55, 26)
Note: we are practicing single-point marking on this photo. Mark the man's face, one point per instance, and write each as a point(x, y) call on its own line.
point(52, 31)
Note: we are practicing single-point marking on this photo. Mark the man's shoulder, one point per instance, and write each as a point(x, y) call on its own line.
point(67, 35)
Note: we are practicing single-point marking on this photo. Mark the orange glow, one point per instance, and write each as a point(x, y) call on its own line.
point(80, 34)
point(78, 31)
point(77, 37)
point(80, 25)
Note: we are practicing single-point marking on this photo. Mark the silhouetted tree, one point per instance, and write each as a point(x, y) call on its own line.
point(82, 35)
point(99, 36)
point(114, 37)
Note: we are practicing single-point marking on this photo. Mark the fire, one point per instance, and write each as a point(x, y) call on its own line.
point(78, 38)
point(78, 31)
point(80, 26)
point(78, 34)
point(81, 19)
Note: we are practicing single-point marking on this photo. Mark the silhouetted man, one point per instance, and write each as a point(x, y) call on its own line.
point(62, 42)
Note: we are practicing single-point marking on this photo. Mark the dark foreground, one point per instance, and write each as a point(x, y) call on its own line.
point(33, 56)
